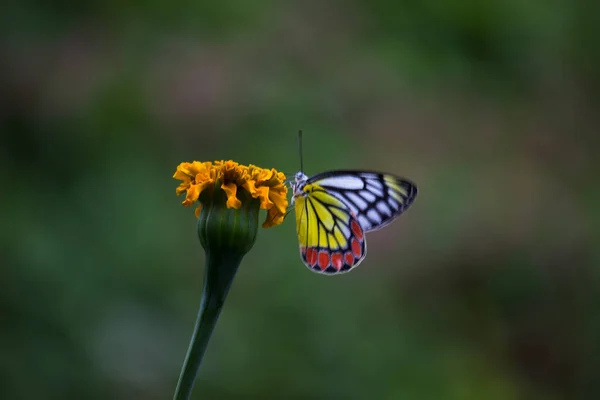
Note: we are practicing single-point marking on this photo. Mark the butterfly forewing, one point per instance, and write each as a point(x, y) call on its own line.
point(374, 198)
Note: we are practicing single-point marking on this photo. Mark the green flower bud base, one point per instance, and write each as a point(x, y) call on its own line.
point(226, 234)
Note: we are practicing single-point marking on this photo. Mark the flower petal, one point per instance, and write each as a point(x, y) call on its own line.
point(192, 195)
point(273, 218)
point(262, 193)
point(279, 200)
point(231, 191)
point(183, 186)
point(250, 187)
point(267, 185)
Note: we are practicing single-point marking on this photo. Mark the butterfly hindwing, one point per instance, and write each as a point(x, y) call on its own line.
point(331, 238)
point(376, 199)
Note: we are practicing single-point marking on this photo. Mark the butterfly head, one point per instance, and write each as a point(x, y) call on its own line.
point(300, 177)
point(298, 184)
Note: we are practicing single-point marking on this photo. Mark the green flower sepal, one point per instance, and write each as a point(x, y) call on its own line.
point(227, 232)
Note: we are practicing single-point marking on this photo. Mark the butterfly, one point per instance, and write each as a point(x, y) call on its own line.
point(335, 209)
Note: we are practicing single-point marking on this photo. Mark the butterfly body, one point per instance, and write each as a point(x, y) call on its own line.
point(335, 209)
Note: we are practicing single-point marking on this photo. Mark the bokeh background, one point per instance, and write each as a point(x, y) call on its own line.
point(487, 288)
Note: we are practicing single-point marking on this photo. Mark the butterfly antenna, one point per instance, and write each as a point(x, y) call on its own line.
point(300, 149)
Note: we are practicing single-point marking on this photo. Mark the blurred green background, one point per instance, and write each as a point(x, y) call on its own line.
point(487, 288)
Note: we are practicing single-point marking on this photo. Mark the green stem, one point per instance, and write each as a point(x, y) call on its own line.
point(218, 277)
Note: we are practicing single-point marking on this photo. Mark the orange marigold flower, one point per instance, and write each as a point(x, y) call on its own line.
point(266, 185)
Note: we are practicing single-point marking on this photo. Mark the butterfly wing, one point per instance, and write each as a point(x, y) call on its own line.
point(331, 238)
point(375, 198)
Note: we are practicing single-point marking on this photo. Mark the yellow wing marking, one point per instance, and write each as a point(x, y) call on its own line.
point(322, 236)
point(391, 182)
point(333, 244)
point(341, 214)
point(307, 225)
point(342, 240)
point(319, 193)
point(323, 213)
point(319, 217)
point(301, 221)
point(336, 207)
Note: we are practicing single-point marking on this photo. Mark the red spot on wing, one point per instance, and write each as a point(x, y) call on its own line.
point(356, 229)
point(308, 254)
point(356, 249)
point(337, 260)
point(311, 256)
point(323, 260)
point(349, 258)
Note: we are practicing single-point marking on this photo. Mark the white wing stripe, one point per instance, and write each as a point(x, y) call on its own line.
point(345, 230)
point(365, 224)
point(374, 216)
point(375, 183)
point(357, 200)
point(345, 182)
point(368, 196)
point(376, 191)
point(383, 208)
